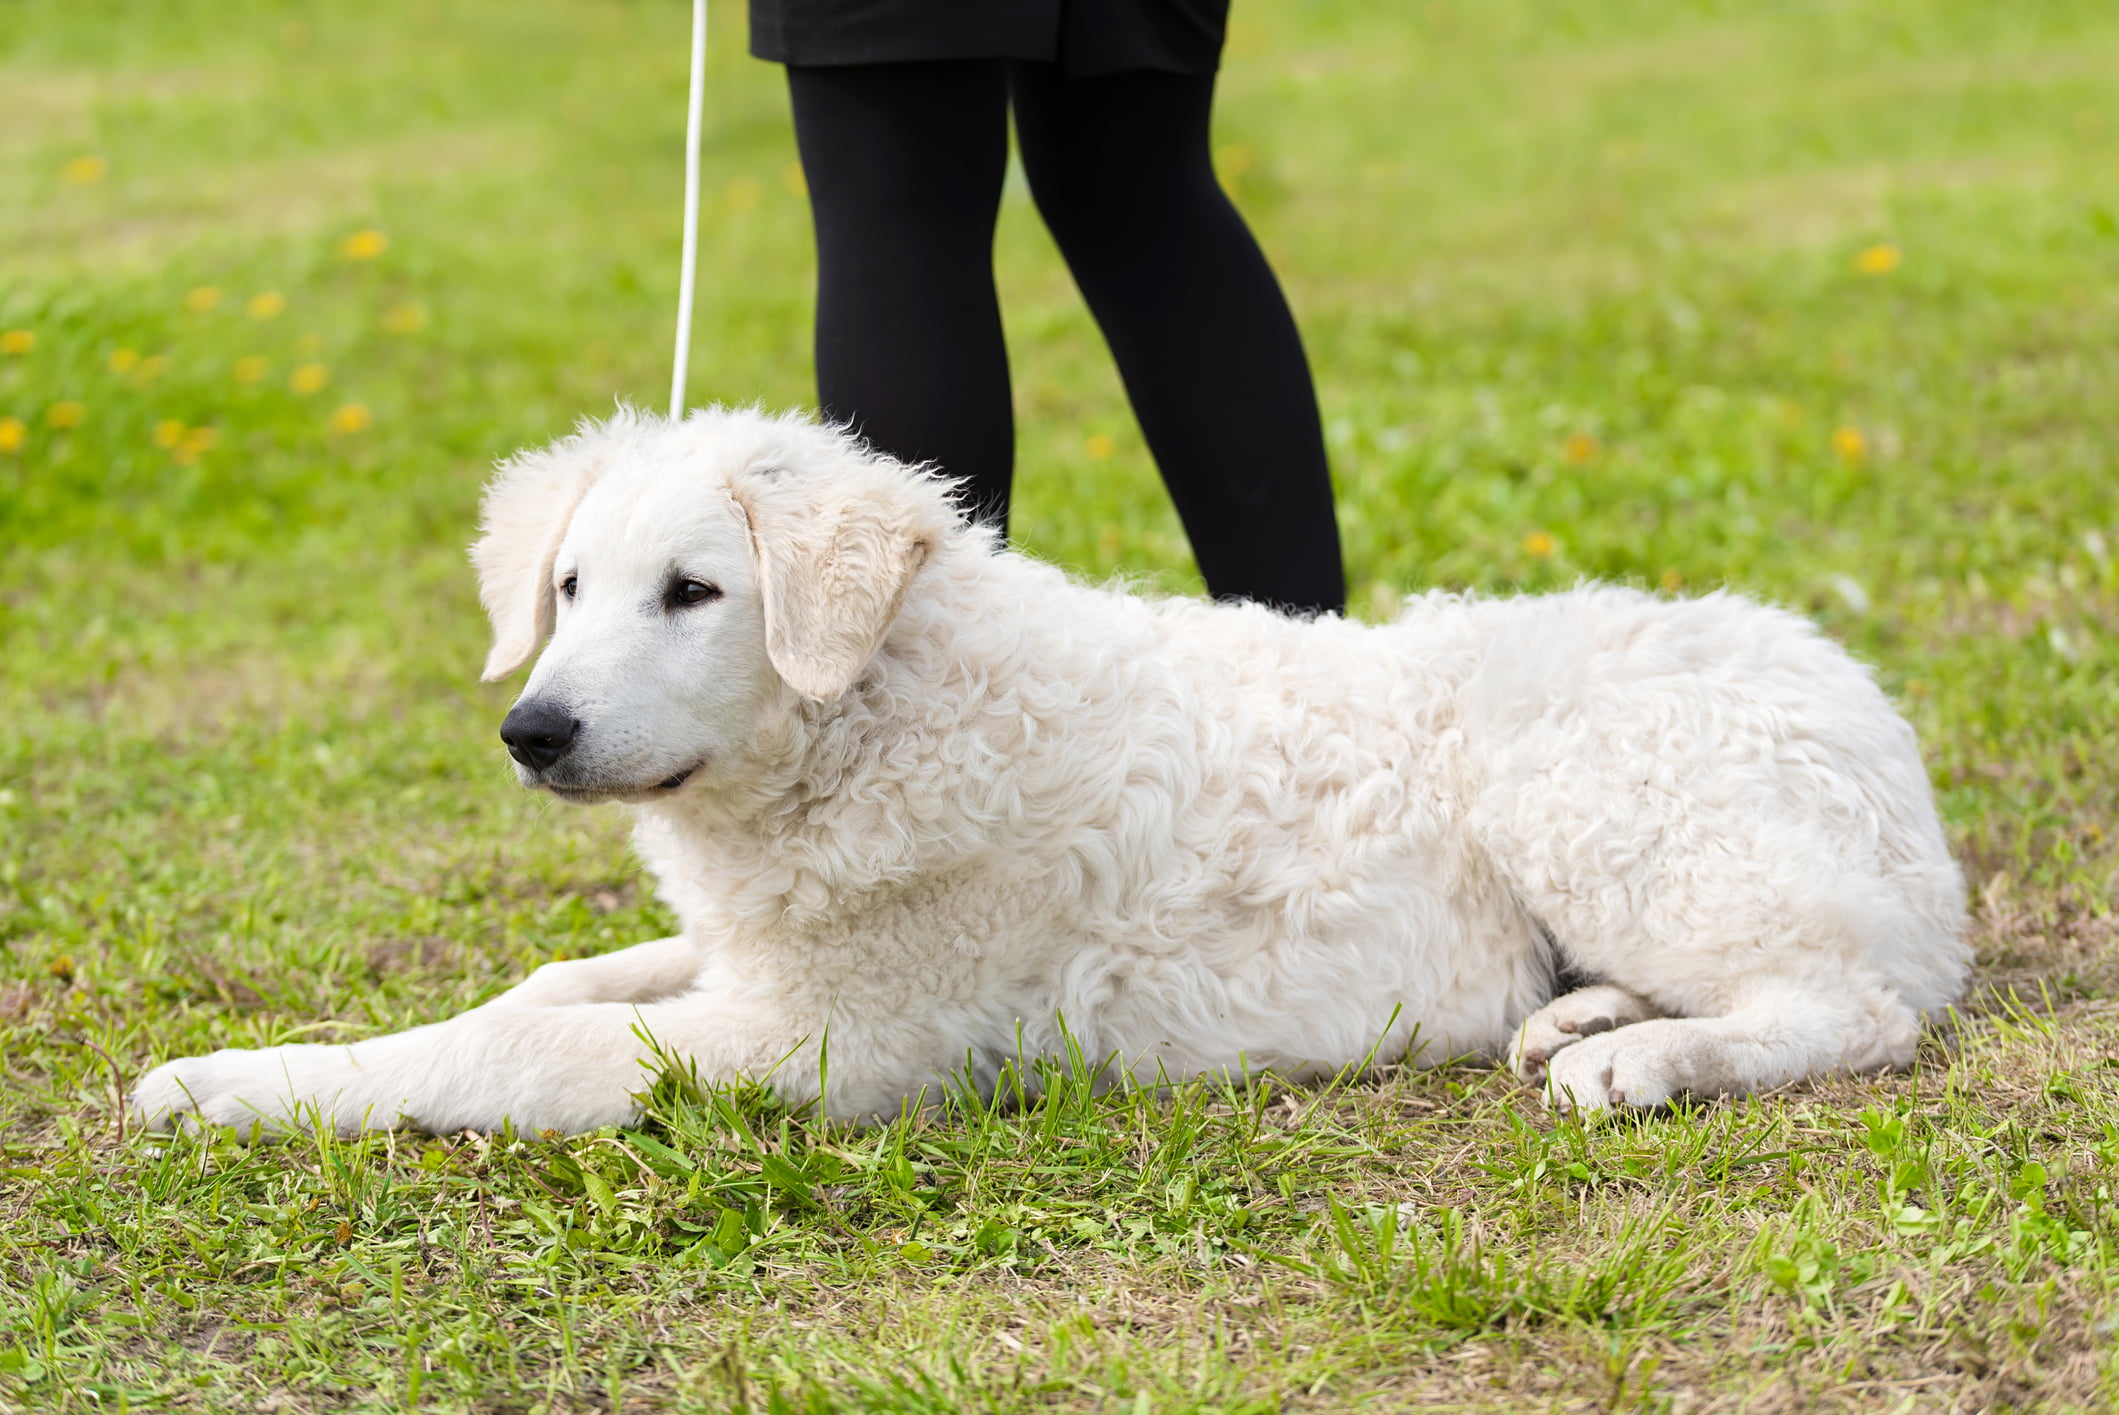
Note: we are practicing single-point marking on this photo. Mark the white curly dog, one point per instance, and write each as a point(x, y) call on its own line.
point(931, 805)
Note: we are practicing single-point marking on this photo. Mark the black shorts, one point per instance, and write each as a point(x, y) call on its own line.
point(1086, 38)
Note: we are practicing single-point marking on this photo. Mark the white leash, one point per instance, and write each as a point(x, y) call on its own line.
point(691, 211)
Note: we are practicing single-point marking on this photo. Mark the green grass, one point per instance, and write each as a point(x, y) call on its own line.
point(1582, 286)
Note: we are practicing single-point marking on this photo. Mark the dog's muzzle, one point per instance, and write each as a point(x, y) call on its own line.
point(539, 734)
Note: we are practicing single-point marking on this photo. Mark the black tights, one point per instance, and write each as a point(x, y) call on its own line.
point(905, 164)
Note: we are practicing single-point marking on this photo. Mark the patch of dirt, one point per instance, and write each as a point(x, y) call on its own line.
point(426, 954)
point(2056, 947)
point(203, 974)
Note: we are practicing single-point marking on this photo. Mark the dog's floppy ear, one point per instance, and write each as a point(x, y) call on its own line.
point(527, 508)
point(836, 552)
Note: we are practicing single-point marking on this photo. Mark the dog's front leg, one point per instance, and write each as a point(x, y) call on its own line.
point(646, 972)
point(543, 1068)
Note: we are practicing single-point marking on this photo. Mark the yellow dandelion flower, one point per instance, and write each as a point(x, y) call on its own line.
point(1540, 544)
point(13, 433)
point(194, 444)
point(1580, 447)
point(743, 193)
point(793, 178)
point(151, 368)
point(352, 417)
point(83, 170)
point(1671, 581)
point(250, 369)
point(202, 299)
point(308, 378)
point(18, 341)
point(364, 245)
point(1849, 443)
point(270, 305)
point(1100, 446)
point(124, 360)
point(1879, 260)
point(169, 432)
point(1232, 160)
point(405, 319)
point(66, 413)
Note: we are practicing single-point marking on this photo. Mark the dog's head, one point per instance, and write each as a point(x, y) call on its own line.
point(694, 577)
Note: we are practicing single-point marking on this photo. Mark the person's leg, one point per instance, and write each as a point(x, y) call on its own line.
point(904, 164)
point(1211, 359)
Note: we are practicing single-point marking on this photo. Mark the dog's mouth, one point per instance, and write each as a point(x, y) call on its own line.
point(595, 795)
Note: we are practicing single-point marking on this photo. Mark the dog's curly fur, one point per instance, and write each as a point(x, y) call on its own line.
point(936, 801)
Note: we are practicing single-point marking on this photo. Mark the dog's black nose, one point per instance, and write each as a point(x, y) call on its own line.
point(538, 734)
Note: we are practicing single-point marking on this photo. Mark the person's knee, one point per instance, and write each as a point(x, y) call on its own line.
point(910, 145)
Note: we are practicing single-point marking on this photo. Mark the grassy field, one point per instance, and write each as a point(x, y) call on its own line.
point(1818, 301)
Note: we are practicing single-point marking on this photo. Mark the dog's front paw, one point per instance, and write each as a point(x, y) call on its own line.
point(560, 984)
point(277, 1089)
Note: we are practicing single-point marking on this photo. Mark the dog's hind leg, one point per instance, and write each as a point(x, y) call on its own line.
point(1774, 1035)
point(1571, 1018)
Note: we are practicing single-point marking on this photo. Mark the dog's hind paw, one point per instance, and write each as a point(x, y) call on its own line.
point(1571, 1018)
point(1642, 1067)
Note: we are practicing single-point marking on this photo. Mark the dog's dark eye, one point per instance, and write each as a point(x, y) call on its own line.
point(568, 586)
point(691, 592)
